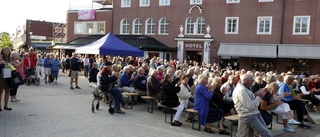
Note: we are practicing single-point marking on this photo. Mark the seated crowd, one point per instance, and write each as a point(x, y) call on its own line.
point(250, 94)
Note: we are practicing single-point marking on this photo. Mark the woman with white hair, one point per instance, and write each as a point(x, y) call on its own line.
point(19, 67)
point(201, 101)
point(271, 102)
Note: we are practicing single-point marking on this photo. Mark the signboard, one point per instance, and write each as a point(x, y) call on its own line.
point(86, 14)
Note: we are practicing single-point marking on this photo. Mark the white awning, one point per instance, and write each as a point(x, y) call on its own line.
point(299, 51)
point(247, 50)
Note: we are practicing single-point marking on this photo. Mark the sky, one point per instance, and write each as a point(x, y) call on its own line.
point(14, 13)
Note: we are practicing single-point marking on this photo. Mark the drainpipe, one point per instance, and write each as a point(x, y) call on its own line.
point(282, 21)
point(315, 28)
point(112, 16)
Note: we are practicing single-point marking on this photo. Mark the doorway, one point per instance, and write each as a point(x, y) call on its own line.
point(194, 55)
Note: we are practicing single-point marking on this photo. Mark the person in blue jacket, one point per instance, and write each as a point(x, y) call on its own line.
point(201, 101)
point(55, 68)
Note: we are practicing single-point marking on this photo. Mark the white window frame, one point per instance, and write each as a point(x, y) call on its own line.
point(152, 25)
point(264, 27)
point(294, 25)
point(84, 28)
point(164, 2)
point(122, 24)
point(165, 25)
point(226, 25)
point(265, 0)
point(144, 3)
point(194, 26)
point(197, 25)
point(232, 1)
point(134, 26)
point(198, 2)
point(191, 25)
point(125, 3)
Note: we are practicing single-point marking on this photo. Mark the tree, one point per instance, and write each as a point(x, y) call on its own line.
point(5, 40)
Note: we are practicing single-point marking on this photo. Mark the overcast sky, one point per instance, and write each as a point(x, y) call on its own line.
point(15, 12)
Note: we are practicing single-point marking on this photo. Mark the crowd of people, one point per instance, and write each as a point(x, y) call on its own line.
point(213, 91)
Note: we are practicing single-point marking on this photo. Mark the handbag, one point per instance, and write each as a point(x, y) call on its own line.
point(5, 73)
point(16, 79)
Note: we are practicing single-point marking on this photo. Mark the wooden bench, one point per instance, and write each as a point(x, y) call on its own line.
point(195, 114)
point(232, 119)
point(130, 97)
point(150, 102)
point(168, 110)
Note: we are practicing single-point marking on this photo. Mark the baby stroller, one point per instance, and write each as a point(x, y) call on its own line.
point(98, 95)
point(31, 77)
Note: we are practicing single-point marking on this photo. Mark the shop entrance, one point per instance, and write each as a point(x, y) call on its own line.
point(194, 55)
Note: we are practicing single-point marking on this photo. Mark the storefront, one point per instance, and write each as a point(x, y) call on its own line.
point(267, 57)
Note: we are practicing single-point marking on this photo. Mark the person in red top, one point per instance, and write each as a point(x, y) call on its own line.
point(33, 59)
point(27, 64)
point(312, 83)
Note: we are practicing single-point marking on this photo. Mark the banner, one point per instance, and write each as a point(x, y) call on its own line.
point(86, 14)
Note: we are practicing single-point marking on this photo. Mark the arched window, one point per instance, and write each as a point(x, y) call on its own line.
point(137, 26)
point(201, 25)
point(150, 26)
point(189, 26)
point(164, 26)
point(124, 26)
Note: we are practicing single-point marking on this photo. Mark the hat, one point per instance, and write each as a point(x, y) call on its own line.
point(108, 63)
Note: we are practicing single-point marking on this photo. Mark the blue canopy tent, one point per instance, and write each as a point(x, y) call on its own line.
point(110, 45)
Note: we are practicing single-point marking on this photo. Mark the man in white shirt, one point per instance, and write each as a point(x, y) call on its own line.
point(246, 104)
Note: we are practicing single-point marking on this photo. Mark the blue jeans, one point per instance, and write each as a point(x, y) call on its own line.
point(117, 96)
point(86, 70)
point(55, 74)
point(249, 123)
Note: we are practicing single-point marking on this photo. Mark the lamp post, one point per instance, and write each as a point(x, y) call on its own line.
point(30, 39)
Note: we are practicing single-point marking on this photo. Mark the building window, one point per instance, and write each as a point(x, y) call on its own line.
point(78, 28)
point(264, 25)
point(101, 28)
point(195, 27)
point(137, 26)
point(124, 26)
point(144, 3)
point(189, 26)
point(164, 26)
point(164, 2)
point(89, 27)
point(125, 3)
point(195, 1)
point(233, 1)
point(232, 24)
point(201, 25)
point(265, 0)
point(150, 26)
point(301, 25)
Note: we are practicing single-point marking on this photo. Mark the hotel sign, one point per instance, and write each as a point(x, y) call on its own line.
point(193, 46)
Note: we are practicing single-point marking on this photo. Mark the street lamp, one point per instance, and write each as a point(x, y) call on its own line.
point(30, 39)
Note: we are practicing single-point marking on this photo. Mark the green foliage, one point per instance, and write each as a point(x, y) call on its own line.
point(5, 40)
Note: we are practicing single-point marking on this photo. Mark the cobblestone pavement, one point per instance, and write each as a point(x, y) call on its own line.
point(54, 110)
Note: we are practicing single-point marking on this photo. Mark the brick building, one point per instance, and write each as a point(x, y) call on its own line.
point(252, 34)
point(39, 34)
